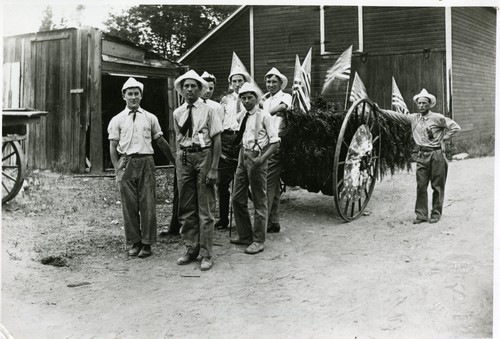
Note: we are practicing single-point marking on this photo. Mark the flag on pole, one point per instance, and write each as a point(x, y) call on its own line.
point(397, 99)
point(340, 70)
point(358, 90)
point(306, 72)
point(301, 86)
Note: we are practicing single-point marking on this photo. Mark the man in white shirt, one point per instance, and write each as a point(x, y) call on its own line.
point(197, 127)
point(276, 102)
point(131, 133)
point(259, 140)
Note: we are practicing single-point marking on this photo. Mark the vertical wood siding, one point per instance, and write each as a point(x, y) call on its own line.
point(390, 29)
point(473, 69)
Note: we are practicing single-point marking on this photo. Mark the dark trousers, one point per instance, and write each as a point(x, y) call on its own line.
point(274, 168)
point(175, 226)
point(137, 183)
point(255, 177)
point(226, 175)
point(431, 167)
point(196, 202)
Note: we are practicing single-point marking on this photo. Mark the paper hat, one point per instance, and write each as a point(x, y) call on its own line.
point(425, 94)
point(274, 71)
point(237, 67)
point(130, 83)
point(249, 87)
point(190, 75)
point(209, 77)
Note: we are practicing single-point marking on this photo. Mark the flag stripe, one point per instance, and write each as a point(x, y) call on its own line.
point(340, 70)
point(397, 99)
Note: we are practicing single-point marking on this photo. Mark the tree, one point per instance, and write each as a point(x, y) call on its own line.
point(47, 20)
point(169, 30)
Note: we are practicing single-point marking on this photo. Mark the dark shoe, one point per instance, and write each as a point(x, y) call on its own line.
point(220, 224)
point(418, 221)
point(186, 259)
point(136, 248)
point(273, 227)
point(168, 231)
point(206, 263)
point(255, 248)
point(433, 220)
point(238, 241)
point(145, 251)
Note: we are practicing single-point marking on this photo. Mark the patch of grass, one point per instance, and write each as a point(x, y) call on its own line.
point(476, 146)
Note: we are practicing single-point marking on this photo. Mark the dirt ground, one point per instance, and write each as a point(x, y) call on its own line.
point(377, 277)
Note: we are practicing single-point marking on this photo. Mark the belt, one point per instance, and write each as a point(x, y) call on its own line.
point(137, 155)
point(428, 149)
point(194, 149)
point(229, 131)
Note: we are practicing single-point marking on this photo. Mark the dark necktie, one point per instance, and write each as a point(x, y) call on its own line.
point(239, 136)
point(188, 125)
point(205, 100)
point(134, 112)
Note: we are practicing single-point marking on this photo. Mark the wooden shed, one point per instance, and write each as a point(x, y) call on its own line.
point(450, 51)
point(76, 74)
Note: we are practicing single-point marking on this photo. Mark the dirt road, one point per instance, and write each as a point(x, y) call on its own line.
point(377, 277)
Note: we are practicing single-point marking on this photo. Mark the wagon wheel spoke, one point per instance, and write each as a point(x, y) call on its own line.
point(13, 168)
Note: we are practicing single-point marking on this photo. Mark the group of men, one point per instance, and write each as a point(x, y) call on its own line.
point(233, 142)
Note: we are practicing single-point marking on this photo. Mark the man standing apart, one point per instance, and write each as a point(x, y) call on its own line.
point(197, 128)
point(276, 102)
point(131, 133)
point(233, 109)
point(429, 130)
point(259, 140)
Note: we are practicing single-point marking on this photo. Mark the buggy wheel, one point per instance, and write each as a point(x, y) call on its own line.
point(13, 169)
point(356, 162)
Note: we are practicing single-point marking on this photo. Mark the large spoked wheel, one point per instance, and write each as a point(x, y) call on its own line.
point(13, 169)
point(356, 162)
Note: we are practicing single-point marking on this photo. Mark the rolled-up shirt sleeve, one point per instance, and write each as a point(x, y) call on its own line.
point(155, 128)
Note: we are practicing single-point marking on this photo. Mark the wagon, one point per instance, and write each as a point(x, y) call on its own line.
point(14, 123)
point(353, 154)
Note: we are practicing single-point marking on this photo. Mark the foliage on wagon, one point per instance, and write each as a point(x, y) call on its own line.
point(309, 141)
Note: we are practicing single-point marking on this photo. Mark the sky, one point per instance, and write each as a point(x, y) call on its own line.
point(26, 16)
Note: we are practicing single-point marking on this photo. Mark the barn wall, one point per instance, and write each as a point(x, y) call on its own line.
point(473, 69)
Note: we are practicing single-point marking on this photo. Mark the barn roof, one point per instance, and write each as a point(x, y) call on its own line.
point(212, 32)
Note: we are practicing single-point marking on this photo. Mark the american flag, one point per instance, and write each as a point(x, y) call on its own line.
point(340, 70)
point(358, 90)
point(302, 84)
point(397, 99)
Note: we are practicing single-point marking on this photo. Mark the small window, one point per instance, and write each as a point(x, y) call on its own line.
point(341, 28)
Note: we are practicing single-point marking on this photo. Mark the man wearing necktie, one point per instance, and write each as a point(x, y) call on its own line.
point(429, 130)
point(232, 114)
point(131, 133)
point(259, 139)
point(198, 129)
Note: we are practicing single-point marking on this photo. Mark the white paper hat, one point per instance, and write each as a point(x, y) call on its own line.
point(209, 76)
point(425, 94)
point(130, 83)
point(190, 75)
point(249, 87)
point(274, 71)
point(237, 67)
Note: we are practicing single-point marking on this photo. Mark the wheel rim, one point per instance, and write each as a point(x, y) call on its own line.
point(356, 162)
point(13, 168)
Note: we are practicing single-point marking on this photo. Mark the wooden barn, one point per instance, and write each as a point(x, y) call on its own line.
point(76, 76)
point(449, 51)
